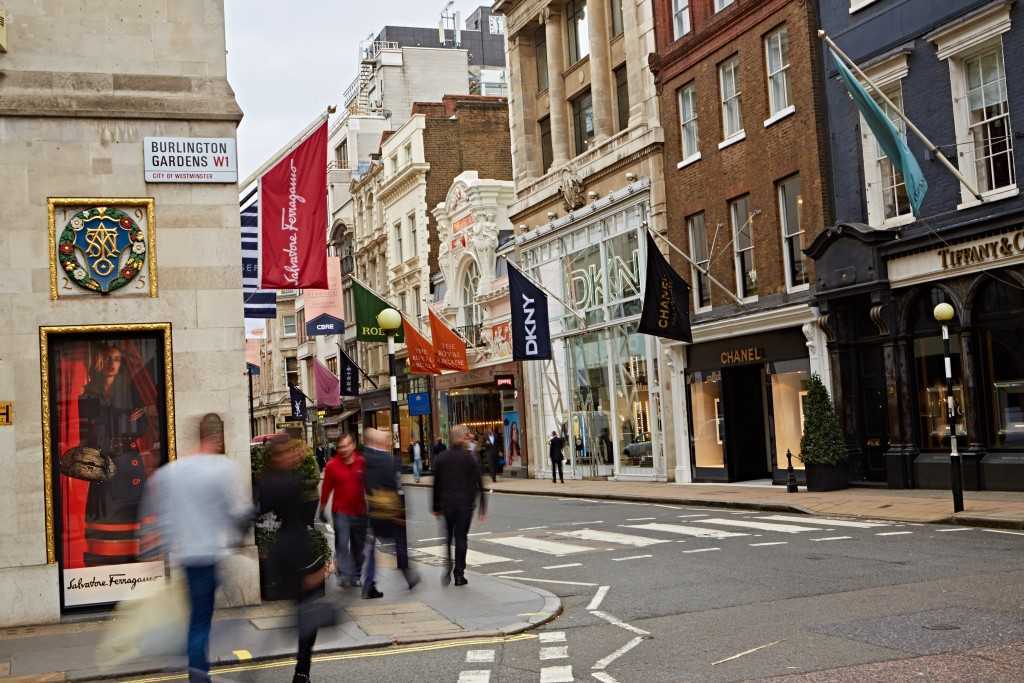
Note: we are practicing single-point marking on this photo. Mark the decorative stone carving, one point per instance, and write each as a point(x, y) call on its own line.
point(571, 188)
point(877, 315)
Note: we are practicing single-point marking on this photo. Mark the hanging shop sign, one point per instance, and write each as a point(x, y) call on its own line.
point(190, 160)
point(964, 257)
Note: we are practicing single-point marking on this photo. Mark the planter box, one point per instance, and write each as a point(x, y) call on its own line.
point(828, 477)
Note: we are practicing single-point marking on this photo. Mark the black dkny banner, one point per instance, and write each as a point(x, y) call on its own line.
point(666, 311)
point(531, 333)
point(298, 403)
point(349, 376)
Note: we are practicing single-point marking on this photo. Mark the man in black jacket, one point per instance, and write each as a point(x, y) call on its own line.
point(458, 482)
point(555, 452)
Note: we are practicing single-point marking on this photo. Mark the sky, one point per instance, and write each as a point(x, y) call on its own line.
point(288, 60)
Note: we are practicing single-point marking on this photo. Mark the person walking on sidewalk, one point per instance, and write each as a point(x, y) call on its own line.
point(386, 509)
point(492, 454)
point(557, 443)
point(201, 514)
point(458, 481)
point(296, 565)
point(417, 459)
point(343, 479)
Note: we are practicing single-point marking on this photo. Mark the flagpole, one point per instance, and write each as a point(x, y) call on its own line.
point(551, 294)
point(702, 271)
point(292, 144)
point(899, 112)
point(357, 366)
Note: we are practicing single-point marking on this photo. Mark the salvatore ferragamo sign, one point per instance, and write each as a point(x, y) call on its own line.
point(960, 258)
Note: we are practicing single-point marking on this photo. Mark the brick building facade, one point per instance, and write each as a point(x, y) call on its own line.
point(744, 159)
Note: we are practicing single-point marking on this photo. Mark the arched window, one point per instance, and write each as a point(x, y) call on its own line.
point(999, 319)
point(930, 372)
point(471, 316)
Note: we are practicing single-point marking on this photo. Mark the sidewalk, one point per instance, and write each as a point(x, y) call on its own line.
point(488, 606)
point(1000, 509)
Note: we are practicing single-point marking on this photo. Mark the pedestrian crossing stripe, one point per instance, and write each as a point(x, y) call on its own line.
point(612, 537)
point(540, 545)
point(474, 558)
point(823, 521)
point(685, 530)
point(760, 526)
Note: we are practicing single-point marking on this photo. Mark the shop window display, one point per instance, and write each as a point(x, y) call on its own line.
point(999, 313)
point(708, 419)
point(632, 407)
point(789, 389)
point(930, 373)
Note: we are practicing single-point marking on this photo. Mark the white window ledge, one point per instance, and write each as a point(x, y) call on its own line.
point(738, 137)
point(692, 159)
point(799, 288)
point(703, 309)
point(990, 196)
point(781, 114)
point(748, 299)
point(899, 221)
point(857, 5)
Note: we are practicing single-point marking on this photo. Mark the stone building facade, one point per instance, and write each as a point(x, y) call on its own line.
point(747, 192)
point(586, 152)
point(73, 116)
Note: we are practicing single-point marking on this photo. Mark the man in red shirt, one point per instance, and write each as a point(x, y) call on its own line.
point(343, 477)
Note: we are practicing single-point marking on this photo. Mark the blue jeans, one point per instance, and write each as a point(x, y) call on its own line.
point(202, 587)
point(385, 530)
point(417, 468)
point(349, 542)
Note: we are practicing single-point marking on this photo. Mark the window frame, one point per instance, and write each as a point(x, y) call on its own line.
point(410, 219)
point(618, 23)
point(540, 55)
point(738, 254)
point(575, 14)
point(681, 8)
point(622, 96)
point(582, 144)
point(725, 100)
point(397, 230)
point(693, 155)
point(962, 116)
point(787, 256)
point(284, 326)
point(722, 5)
point(775, 111)
point(701, 281)
point(547, 152)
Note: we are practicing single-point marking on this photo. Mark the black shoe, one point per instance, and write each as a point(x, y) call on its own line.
point(372, 593)
point(300, 678)
point(412, 577)
point(460, 581)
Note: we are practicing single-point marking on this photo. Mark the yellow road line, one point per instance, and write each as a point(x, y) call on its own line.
point(242, 655)
point(341, 656)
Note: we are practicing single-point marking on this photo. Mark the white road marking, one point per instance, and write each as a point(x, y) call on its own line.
point(564, 583)
point(564, 566)
point(631, 557)
point(511, 571)
point(427, 540)
point(745, 653)
point(685, 530)
point(477, 676)
point(831, 538)
point(1003, 531)
point(605, 661)
point(701, 550)
point(474, 558)
point(667, 507)
point(480, 533)
point(758, 545)
point(640, 519)
point(598, 598)
point(800, 519)
point(552, 637)
point(959, 528)
point(539, 545)
point(531, 528)
point(760, 526)
point(555, 652)
point(603, 677)
point(618, 622)
point(612, 537)
point(596, 521)
point(480, 656)
point(556, 674)
point(893, 533)
point(691, 516)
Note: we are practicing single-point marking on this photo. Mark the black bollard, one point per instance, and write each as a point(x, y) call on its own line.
point(791, 486)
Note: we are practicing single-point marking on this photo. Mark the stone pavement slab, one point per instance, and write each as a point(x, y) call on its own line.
point(1001, 509)
point(487, 606)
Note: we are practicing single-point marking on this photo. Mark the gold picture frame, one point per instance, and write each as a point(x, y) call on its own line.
point(147, 203)
point(45, 335)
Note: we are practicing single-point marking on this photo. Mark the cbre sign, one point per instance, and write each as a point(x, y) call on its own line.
point(325, 324)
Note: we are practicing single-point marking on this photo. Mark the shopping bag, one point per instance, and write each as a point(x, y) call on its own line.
point(154, 626)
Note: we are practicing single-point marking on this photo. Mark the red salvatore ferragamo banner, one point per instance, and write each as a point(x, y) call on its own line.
point(451, 349)
point(422, 357)
point(293, 217)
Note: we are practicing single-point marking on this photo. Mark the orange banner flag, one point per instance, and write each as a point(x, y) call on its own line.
point(422, 357)
point(451, 348)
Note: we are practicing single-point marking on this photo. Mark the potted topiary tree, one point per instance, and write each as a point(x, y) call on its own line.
point(821, 446)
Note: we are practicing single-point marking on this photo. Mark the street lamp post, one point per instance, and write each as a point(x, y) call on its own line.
point(943, 314)
point(390, 321)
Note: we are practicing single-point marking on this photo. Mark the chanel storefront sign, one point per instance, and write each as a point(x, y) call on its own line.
point(963, 257)
point(751, 354)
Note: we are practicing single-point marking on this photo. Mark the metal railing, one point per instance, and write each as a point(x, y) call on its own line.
point(472, 334)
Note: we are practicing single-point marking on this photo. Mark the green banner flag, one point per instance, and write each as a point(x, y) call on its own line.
point(368, 305)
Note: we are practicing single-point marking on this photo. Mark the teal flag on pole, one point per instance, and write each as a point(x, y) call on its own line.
point(888, 136)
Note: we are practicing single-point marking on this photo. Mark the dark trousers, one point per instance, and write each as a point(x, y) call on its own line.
point(304, 657)
point(349, 541)
point(202, 587)
point(494, 467)
point(385, 529)
point(457, 521)
point(556, 465)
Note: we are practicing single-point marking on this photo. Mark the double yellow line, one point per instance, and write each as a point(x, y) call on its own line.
point(341, 656)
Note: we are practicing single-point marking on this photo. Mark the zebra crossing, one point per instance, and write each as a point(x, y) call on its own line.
point(654, 535)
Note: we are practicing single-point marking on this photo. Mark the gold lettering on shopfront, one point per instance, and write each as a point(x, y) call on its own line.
point(752, 354)
point(975, 254)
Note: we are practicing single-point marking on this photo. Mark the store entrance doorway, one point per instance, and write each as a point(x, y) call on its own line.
point(745, 441)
